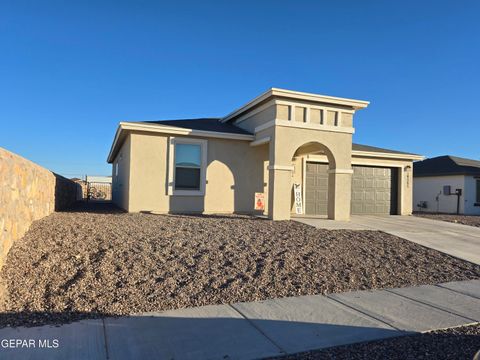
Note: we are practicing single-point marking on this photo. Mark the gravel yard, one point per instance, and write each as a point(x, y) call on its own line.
point(471, 220)
point(79, 264)
point(455, 343)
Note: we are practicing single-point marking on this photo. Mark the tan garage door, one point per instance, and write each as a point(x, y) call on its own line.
point(374, 190)
point(316, 189)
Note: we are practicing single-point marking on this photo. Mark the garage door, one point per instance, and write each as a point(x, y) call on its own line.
point(316, 189)
point(374, 190)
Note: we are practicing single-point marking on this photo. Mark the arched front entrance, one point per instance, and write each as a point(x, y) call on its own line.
point(312, 162)
point(289, 153)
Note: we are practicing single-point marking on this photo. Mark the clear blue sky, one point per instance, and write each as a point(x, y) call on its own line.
point(71, 70)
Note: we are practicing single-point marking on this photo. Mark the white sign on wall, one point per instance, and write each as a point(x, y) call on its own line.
point(297, 191)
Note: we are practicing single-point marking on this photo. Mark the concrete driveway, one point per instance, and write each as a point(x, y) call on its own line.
point(458, 240)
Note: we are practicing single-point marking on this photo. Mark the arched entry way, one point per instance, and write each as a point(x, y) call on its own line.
point(312, 162)
point(288, 153)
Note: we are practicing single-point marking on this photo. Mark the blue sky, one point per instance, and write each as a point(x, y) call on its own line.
point(71, 70)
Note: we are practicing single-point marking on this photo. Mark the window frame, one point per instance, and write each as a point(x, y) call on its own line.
point(171, 168)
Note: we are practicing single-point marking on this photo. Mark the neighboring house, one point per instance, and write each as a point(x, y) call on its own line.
point(280, 138)
point(99, 179)
point(436, 181)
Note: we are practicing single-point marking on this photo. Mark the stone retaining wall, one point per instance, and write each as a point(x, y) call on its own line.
point(28, 192)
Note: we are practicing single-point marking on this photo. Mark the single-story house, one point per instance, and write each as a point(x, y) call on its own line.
point(447, 184)
point(282, 153)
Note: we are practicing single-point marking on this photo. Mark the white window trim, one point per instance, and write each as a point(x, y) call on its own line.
point(171, 166)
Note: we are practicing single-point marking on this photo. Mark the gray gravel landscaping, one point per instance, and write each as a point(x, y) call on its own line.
point(84, 263)
point(455, 343)
point(471, 220)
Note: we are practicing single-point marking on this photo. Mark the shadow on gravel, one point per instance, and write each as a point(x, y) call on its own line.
point(94, 207)
point(232, 217)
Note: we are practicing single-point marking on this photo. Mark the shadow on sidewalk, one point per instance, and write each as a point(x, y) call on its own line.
point(214, 335)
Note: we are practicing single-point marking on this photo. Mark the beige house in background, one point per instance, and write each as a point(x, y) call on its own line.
point(278, 139)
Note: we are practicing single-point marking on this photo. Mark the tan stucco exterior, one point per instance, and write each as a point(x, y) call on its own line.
point(121, 174)
point(286, 127)
point(235, 171)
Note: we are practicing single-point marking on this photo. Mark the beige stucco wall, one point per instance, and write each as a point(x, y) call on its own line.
point(235, 171)
point(28, 192)
point(121, 181)
point(257, 119)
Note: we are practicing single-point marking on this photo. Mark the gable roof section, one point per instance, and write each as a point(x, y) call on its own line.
point(203, 127)
point(446, 165)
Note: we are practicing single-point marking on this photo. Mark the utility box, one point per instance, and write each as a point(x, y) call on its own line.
point(447, 190)
point(423, 204)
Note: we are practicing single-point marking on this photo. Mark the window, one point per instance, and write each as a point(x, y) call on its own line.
point(116, 169)
point(187, 166)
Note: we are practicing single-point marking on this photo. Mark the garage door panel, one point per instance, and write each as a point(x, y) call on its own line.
point(373, 190)
point(375, 185)
point(369, 183)
point(382, 184)
point(357, 183)
point(369, 195)
point(368, 171)
point(357, 195)
point(382, 196)
point(356, 208)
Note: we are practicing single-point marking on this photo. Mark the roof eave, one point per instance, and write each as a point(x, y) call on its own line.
point(460, 173)
point(403, 156)
point(170, 130)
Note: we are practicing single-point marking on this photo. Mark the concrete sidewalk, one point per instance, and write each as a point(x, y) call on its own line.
point(461, 241)
point(258, 329)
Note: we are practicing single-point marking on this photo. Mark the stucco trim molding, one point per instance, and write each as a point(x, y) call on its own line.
point(261, 141)
point(340, 171)
point(294, 124)
point(297, 95)
point(281, 167)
